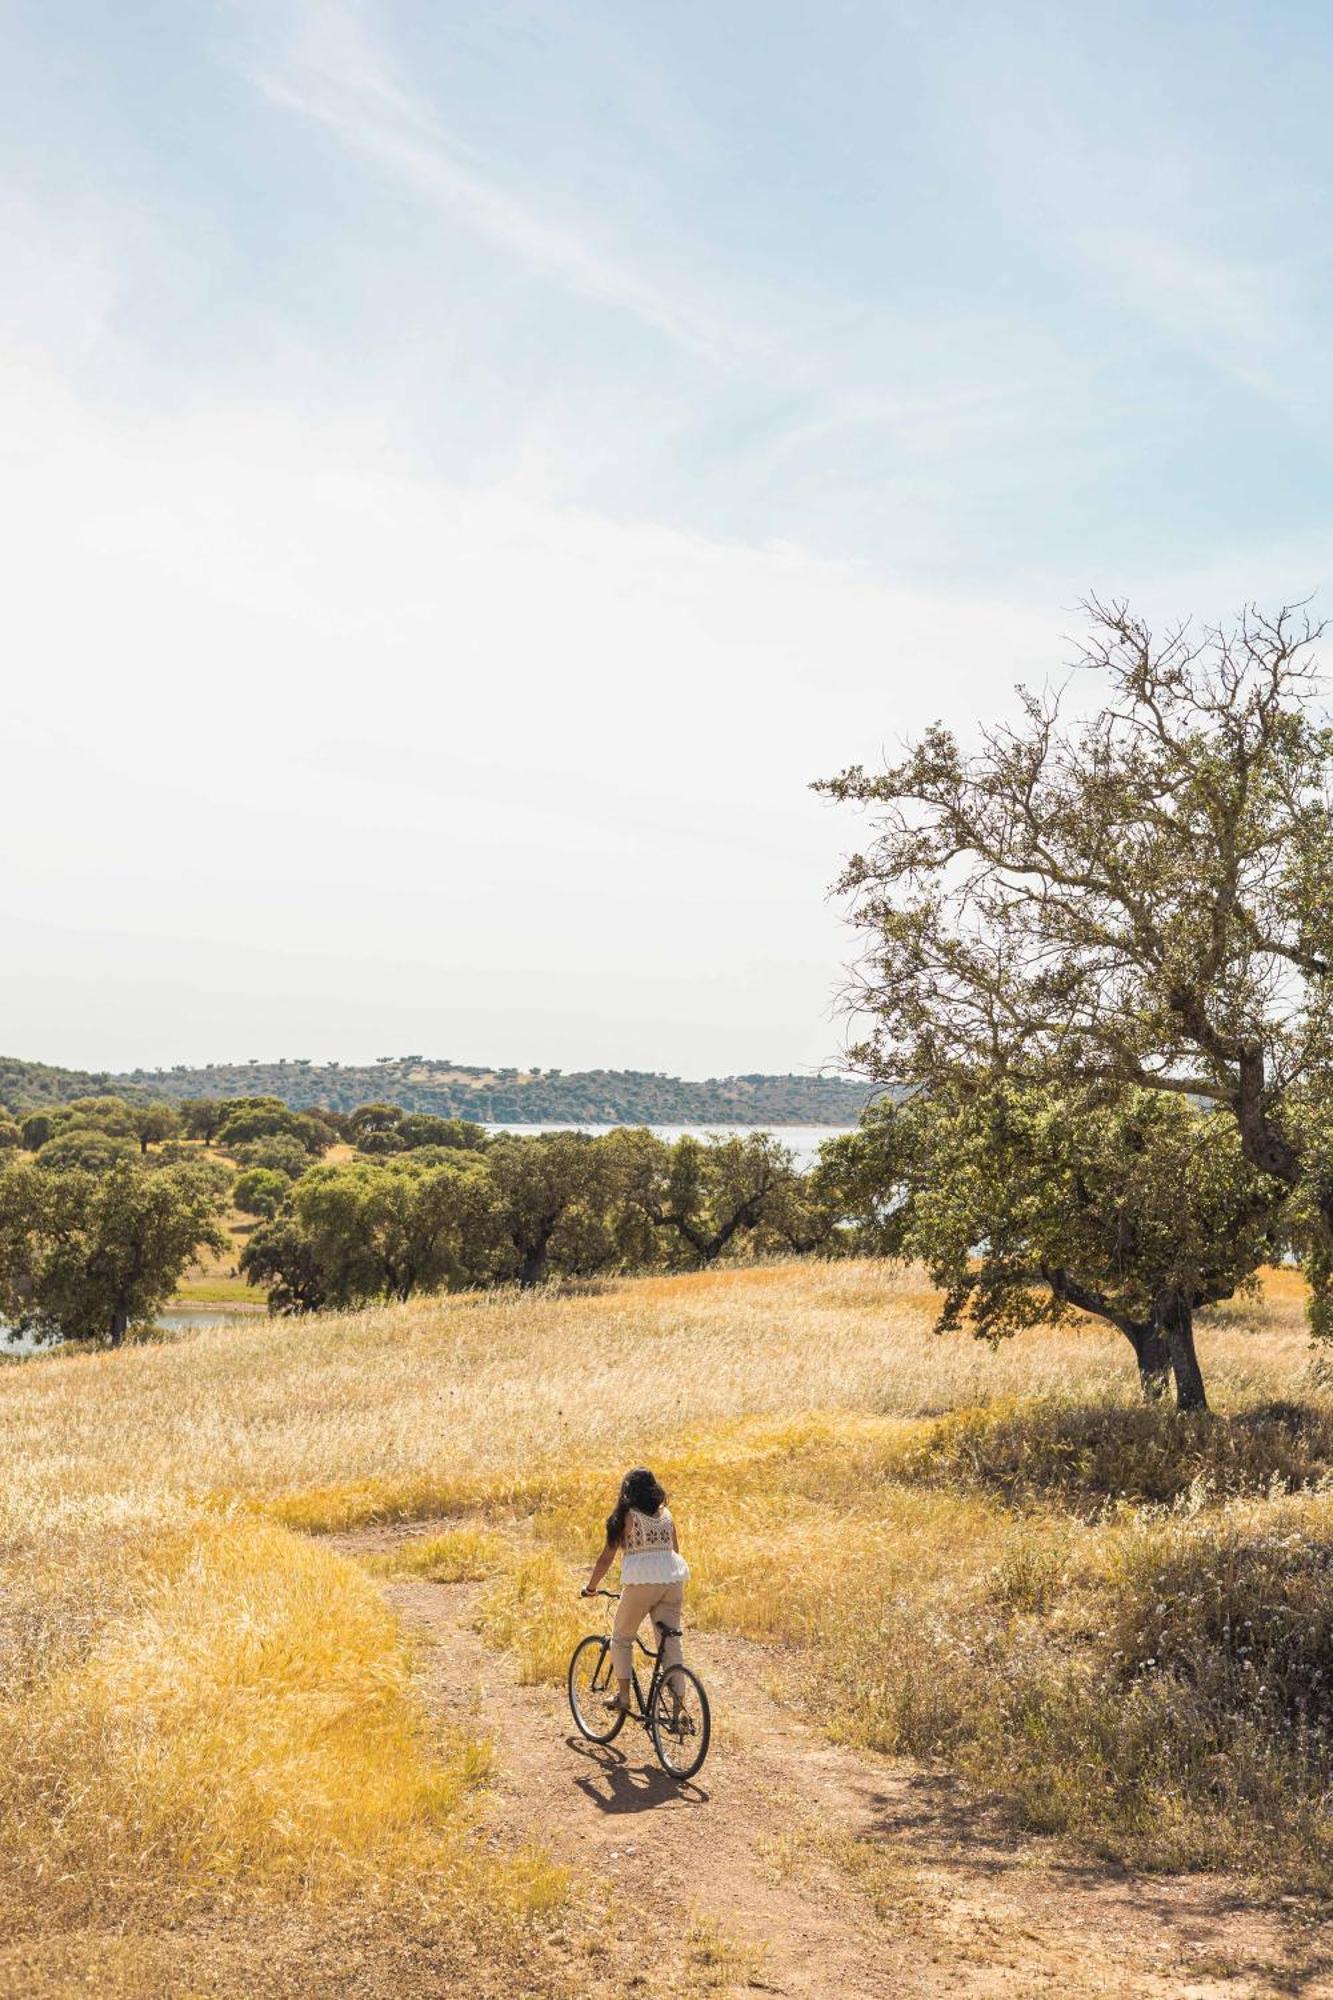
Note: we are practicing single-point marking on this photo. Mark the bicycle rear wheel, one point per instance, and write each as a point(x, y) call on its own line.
point(591, 1685)
point(680, 1723)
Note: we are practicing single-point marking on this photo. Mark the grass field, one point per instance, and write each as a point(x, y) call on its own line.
point(1118, 1622)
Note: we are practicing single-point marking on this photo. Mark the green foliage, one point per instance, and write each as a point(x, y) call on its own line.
point(260, 1191)
point(391, 1130)
point(253, 1118)
point(100, 1114)
point(11, 1134)
point(362, 1231)
point(718, 1187)
point(865, 1176)
point(85, 1147)
point(204, 1173)
point(89, 1255)
point(1132, 1193)
point(636, 1163)
point(154, 1123)
point(525, 1210)
point(373, 1128)
point(315, 1133)
point(95, 1132)
point(201, 1117)
point(701, 1196)
point(1138, 897)
point(471, 1091)
point(280, 1155)
point(1028, 1204)
point(379, 1129)
point(424, 1128)
point(282, 1257)
point(261, 1118)
point(551, 1199)
point(26, 1086)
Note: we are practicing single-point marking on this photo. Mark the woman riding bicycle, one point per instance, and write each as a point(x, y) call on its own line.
point(653, 1574)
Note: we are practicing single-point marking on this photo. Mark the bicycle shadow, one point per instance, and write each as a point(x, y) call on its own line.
point(621, 1787)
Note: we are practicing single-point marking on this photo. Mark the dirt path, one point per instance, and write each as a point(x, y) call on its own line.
point(796, 1867)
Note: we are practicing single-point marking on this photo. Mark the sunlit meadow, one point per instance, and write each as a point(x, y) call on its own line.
point(1115, 1621)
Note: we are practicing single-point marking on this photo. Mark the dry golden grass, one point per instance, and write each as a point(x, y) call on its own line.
point(957, 1551)
point(245, 1717)
point(459, 1555)
point(443, 1403)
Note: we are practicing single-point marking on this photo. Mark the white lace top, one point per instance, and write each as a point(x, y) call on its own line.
point(648, 1556)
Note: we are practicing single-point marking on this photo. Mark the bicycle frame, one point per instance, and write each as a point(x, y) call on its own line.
point(673, 1709)
point(645, 1702)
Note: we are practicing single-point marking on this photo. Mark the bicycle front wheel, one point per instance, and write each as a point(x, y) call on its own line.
point(591, 1685)
point(680, 1723)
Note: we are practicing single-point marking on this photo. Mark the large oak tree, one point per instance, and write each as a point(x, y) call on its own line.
point(90, 1255)
point(1031, 1205)
point(1127, 886)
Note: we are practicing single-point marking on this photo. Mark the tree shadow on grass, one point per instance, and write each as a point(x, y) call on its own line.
point(1092, 1453)
point(1207, 1919)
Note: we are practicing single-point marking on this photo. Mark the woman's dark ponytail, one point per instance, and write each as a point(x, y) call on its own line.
point(638, 1489)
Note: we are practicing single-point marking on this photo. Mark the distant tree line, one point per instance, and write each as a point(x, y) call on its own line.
point(458, 1090)
point(474, 1212)
point(1026, 1205)
point(106, 1201)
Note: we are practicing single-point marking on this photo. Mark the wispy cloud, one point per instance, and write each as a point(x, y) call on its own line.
point(1162, 227)
point(335, 71)
point(1235, 314)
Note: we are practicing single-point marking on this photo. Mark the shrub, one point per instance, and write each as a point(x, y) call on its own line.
point(1242, 1612)
point(85, 1146)
point(260, 1191)
point(1102, 1451)
point(280, 1155)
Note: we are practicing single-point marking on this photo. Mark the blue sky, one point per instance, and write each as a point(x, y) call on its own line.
point(465, 467)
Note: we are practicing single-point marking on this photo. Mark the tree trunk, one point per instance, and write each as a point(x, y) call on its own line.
point(119, 1321)
point(1153, 1356)
point(534, 1250)
point(709, 1248)
point(1144, 1335)
point(1262, 1144)
point(532, 1270)
point(1175, 1317)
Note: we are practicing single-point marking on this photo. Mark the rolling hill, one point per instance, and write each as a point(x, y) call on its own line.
point(462, 1090)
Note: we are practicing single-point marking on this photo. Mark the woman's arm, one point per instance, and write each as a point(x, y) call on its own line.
point(599, 1569)
point(675, 1538)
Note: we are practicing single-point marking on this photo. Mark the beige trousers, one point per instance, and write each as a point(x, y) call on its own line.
point(663, 1603)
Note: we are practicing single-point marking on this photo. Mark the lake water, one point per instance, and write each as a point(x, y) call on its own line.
point(804, 1140)
point(174, 1319)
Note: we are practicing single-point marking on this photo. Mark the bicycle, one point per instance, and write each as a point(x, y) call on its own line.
point(674, 1711)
